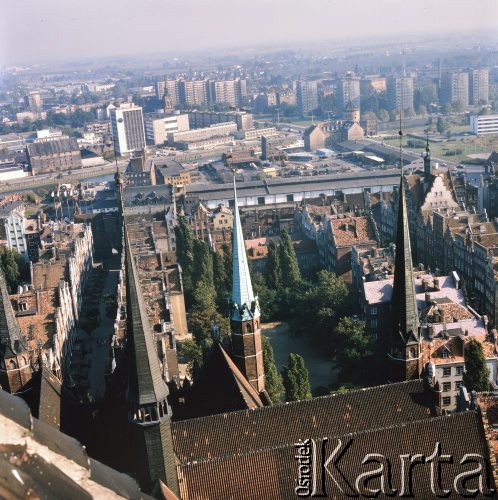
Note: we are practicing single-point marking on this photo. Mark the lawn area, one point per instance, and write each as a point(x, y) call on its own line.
point(455, 149)
point(284, 341)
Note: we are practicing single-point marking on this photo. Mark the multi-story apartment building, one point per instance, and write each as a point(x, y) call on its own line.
point(127, 128)
point(306, 96)
point(454, 87)
point(202, 119)
point(168, 88)
point(158, 125)
point(33, 101)
point(348, 91)
point(231, 92)
point(193, 92)
point(479, 86)
point(400, 92)
point(54, 155)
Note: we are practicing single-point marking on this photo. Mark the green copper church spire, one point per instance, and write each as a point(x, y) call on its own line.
point(242, 292)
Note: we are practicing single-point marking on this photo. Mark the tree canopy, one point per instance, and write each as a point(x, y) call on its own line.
point(296, 379)
point(289, 268)
point(11, 263)
point(273, 380)
point(476, 376)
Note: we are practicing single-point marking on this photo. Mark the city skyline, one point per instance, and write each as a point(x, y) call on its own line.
point(50, 22)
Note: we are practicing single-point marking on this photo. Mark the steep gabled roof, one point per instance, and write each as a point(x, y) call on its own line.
point(221, 387)
point(146, 384)
point(11, 340)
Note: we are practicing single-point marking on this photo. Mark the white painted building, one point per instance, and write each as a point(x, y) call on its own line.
point(127, 128)
point(12, 232)
point(158, 125)
point(485, 124)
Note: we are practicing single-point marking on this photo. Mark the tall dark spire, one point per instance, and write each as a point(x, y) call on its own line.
point(427, 162)
point(11, 340)
point(404, 350)
point(149, 411)
point(404, 303)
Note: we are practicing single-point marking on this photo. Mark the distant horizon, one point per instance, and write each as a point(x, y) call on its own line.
point(51, 31)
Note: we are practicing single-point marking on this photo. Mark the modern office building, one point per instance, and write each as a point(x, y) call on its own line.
point(127, 128)
point(157, 126)
point(479, 85)
point(454, 87)
point(400, 92)
point(306, 96)
point(485, 124)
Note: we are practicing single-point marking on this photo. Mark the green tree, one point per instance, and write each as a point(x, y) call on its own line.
point(273, 380)
point(203, 263)
point(476, 376)
point(272, 267)
point(296, 379)
point(191, 352)
point(203, 313)
point(441, 125)
point(324, 304)
point(11, 263)
point(457, 106)
point(185, 249)
point(354, 350)
point(291, 276)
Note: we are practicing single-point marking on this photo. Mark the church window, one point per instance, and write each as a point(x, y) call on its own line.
point(249, 328)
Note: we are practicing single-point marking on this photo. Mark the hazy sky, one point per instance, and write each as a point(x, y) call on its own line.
point(32, 30)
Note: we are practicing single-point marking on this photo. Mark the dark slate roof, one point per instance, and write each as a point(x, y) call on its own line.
point(146, 385)
point(147, 195)
point(221, 387)
point(404, 303)
point(11, 340)
point(277, 425)
point(272, 472)
point(53, 147)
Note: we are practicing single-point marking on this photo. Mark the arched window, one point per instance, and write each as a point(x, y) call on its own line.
point(12, 364)
point(248, 328)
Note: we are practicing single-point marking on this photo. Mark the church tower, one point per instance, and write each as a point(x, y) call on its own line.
point(245, 321)
point(404, 349)
point(15, 367)
point(427, 164)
